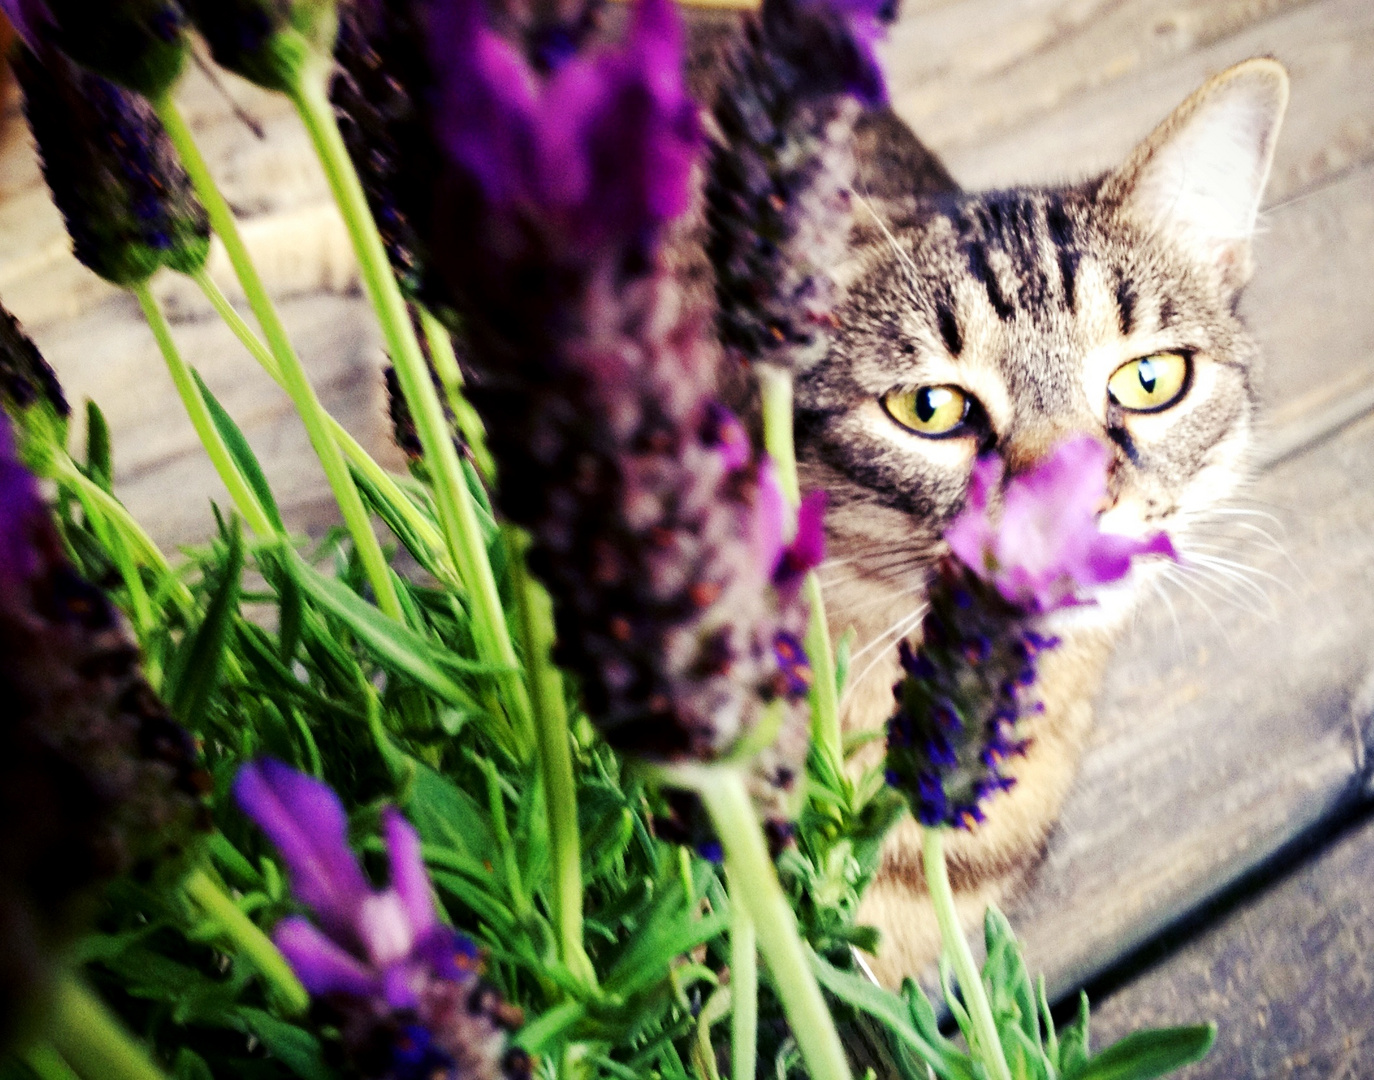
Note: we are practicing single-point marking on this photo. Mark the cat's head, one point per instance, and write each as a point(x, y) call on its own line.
point(1007, 321)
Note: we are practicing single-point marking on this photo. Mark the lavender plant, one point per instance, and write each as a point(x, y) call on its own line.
point(613, 523)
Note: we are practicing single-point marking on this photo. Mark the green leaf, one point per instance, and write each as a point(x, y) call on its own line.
point(291, 615)
point(294, 1047)
point(1010, 990)
point(196, 671)
point(1073, 1041)
point(396, 647)
point(446, 816)
point(1148, 1054)
point(99, 463)
point(948, 1062)
point(241, 452)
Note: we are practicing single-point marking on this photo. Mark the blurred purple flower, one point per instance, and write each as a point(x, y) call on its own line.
point(1045, 545)
point(20, 508)
point(601, 150)
point(382, 960)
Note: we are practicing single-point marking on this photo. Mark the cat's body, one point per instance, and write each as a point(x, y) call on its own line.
point(1026, 303)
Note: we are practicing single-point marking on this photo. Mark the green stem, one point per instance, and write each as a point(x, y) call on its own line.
point(989, 1045)
point(239, 489)
point(555, 764)
point(451, 378)
point(352, 449)
point(292, 374)
point(47, 1063)
point(775, 388)
point(754, 884)
point(66, 472)
point(744, 994)
point(90, 1040)
point(249, 940)
point(456, 510)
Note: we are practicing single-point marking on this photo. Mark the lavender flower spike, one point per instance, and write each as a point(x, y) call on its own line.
point(95, 778)
point(404, 990)
point(967, 701)
point(140, 44)
point(1046, 545)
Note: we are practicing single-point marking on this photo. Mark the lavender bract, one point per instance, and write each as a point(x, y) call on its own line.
point(404, 989)
point(1045, 546)
point(95, 777)
point(112, 171)
point(967, 699)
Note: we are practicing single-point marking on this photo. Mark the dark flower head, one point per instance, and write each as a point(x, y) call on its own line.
point(140, 44)
point(112, 172)
point(268, 42)
point(599, 152)
point(964, 702)
point(32, 396)
point(95, 778)
point(404, 989)
point(1046, 547)
point(778, 191)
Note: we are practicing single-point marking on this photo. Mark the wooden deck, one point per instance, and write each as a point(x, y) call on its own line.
point(1216, 859)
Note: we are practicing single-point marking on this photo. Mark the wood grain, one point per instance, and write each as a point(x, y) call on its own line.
point(1287, 977)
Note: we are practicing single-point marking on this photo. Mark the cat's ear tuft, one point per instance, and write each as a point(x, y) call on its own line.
point(1201, 173)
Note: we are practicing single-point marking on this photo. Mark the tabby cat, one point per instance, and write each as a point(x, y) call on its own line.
point(1005, 322)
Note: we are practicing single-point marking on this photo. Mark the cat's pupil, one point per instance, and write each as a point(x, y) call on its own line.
point(1147, 376)
point(928, 400)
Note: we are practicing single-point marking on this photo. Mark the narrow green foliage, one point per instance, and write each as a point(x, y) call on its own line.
point(242, 453)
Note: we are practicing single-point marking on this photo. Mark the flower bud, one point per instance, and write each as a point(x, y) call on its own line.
point(112, 172)
point(140, 44)
point(268, 42)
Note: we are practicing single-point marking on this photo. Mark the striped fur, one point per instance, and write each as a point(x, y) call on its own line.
point(1029, 300)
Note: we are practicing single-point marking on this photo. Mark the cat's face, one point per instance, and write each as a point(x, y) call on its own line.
point(1006, 322)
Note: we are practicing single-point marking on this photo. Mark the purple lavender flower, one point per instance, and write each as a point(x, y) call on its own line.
point(1045, 546)
point(404, 988)
point(112, 172)
point(967, 700)
point(778, 193)
point(140, 44)
point(95, 777)
point(656, 529)
point(597, 153)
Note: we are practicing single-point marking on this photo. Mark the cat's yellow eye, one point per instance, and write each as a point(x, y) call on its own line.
point(930, 410)
point(1150, 383)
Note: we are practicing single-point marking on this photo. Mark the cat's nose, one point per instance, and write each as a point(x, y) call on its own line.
point(1026, 447)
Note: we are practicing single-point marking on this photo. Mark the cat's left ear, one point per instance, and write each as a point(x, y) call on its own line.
point(1200, 174)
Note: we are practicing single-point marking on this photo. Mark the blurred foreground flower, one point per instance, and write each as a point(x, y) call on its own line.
point(404, 990)
point(778, 196)
point(95, 777)
point(967, 699)
point(140, 44)
point(657, 532)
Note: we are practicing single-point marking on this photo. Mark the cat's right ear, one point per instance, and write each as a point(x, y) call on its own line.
point(1200, 175)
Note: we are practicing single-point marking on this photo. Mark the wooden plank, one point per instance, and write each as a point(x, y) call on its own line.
point(1222, 735)
point(1287, 975)
point(1009, 91)
point(161, 472)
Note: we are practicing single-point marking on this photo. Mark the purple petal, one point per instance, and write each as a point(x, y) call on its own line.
point(305, 820)
point(408, 876)
point(322, 966)
point(27, 16)
point(771, 514)
point(807, 550)
point(970, 535)
point(20, 507)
